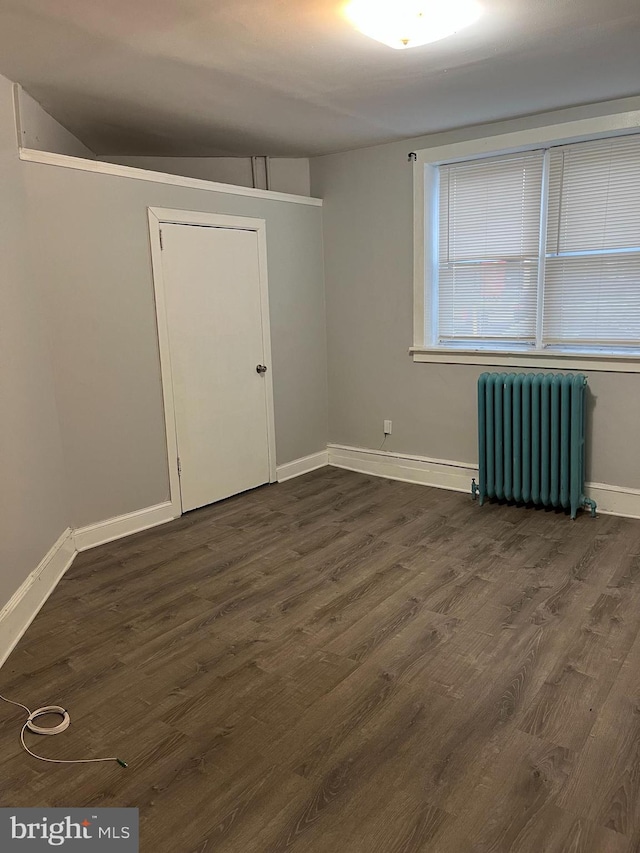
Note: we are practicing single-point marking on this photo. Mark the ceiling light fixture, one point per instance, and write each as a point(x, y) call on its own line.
point(410, 23)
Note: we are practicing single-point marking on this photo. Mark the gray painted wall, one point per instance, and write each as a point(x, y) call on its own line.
point(368, 222)
point(82, 426)
point(33, 508)
point(288, 174)
point(41, 131)
point(91, 253)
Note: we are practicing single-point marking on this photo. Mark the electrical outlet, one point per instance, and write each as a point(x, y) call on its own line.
point(387, 427)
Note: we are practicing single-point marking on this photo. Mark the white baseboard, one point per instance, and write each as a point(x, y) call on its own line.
point(24, 605)
point(444, 474)
point(302, 466)
point(22, 608)
point(614, 500)
point(123, 525)
point(441, 473)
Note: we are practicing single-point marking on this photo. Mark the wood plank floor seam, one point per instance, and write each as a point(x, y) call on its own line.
point(346, 664)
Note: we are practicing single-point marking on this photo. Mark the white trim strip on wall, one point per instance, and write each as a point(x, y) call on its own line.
point(560, 133)
point(166, 380)
point(24, 605)
point(123, 525)
point(17, 116)
point(31, 155)
point(532, 361)
point(614, 500)
point(441, 473)
point(456, 476)
point(303, 465)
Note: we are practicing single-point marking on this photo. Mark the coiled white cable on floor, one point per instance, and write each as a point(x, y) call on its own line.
point(52, 730)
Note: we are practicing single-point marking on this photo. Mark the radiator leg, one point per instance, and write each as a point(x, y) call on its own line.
point(592, 506)
point(474, 489)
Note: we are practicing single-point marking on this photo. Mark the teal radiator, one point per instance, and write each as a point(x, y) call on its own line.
point(531, 438)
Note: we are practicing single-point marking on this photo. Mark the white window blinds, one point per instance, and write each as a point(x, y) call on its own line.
point(592, 275)
point(489, 227)
point(500, 283)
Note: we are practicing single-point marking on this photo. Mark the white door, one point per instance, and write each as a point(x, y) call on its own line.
point(212, 290)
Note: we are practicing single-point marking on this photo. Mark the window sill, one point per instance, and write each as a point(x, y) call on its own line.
point(557, 360)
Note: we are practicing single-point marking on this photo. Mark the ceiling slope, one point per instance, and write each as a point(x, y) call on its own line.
point(292, 78)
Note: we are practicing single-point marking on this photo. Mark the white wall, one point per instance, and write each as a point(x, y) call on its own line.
point(368, 226)
point(40, 131)
point(288, 174)
point(33, 503)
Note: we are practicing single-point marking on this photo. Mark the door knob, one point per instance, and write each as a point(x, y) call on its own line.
point(261, 368)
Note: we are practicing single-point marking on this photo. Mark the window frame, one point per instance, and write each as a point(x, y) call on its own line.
point(425, 216)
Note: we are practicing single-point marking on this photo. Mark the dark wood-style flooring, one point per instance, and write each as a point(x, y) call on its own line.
point(344, 663)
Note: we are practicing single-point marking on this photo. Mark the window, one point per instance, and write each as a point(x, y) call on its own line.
point(539, 251)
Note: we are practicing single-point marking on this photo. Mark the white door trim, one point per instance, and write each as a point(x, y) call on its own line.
point(158, 216)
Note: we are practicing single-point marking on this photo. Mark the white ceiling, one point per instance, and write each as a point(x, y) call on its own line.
point(291, 77)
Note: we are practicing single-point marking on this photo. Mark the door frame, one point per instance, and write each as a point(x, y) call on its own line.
point(159, 216)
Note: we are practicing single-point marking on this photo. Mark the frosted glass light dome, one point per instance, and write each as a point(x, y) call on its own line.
point(410, 23)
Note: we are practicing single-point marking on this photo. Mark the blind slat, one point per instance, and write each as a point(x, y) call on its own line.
point(594, 208)
point(489, 247)
point(594, 298)
point(489, 213)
